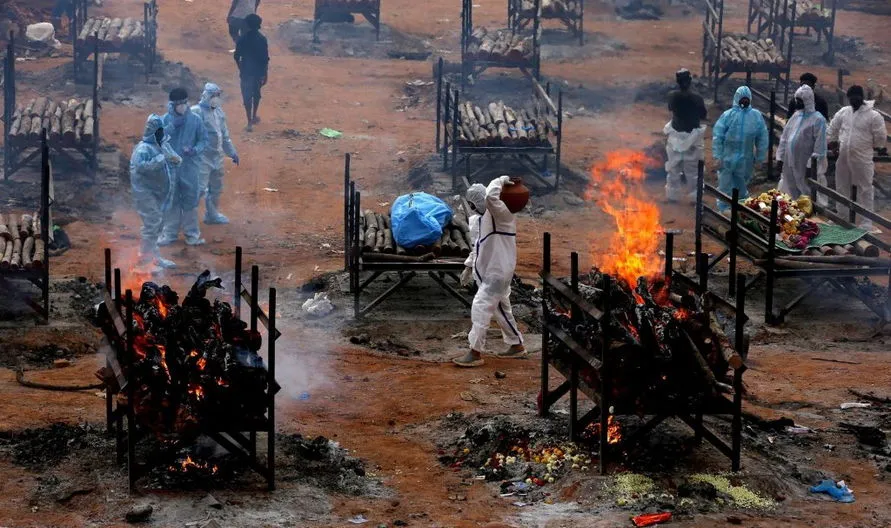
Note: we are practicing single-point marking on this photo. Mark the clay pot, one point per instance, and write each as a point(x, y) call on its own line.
point(515, 196)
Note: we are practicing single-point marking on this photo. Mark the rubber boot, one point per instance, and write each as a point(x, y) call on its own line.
point(213, 214)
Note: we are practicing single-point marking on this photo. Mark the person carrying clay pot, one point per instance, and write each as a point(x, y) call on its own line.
point(492, 260)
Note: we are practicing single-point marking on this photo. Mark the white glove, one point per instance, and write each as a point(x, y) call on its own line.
point(170, 154)
point(467, 277)
point(505, 180)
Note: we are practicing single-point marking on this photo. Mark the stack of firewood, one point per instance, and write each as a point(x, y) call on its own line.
point(21, 245)
point(499, 45)
point(551, 8)
point(499, 125)
point(807, 12)
point(376, 238)
point(67, 122)
point(112, 32)
point(746, 51)
point(347, 5)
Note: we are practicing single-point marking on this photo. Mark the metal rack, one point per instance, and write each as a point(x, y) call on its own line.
point(741, 241)
point(19, 151)
point(571, 359)
point(146, 47)
point(120, 387)
point(448, 122)
point(717, 71)
point(519, 18)
point(471, 65)
point(370, 9)
point(37, 277)
point(770, 17)
point(439, 269)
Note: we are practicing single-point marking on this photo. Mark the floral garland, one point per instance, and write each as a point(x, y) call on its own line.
point(795, 229)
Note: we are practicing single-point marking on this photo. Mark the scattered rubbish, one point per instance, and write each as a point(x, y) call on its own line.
point(828, 447)
point(855, 405)
point(519, 504)
point(42, 33)
point(797, 429)
point(139, 513)
point(319, 305)
point(359, 519)
point(331, 133)
point(384, 204)
point(289, 276)
point(649, 519)
point(419, 82)
point(459, 335)
point(270, 189)
point(304, 396)
point(830, 360)
point(466, 396)
point(837, 490)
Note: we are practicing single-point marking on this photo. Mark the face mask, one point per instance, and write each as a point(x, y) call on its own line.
point(159, 135)
point(799, 102)
point(215, 101)
point(856, 102)
point(180, 109)
point(744, 103)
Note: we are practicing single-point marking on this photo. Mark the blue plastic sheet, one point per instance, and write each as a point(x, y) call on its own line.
point(418, 218)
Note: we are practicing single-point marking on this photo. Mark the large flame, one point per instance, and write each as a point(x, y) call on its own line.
point(617, 188)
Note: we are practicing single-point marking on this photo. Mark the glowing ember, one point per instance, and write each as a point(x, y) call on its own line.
point(188, 464)
point(201, 363)
point(613, 430)
point(162, 308)
point(616, 187)
point(197, 391)
point(163, 351)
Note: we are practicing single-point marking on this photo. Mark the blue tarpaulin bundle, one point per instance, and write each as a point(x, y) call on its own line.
point(418, 218)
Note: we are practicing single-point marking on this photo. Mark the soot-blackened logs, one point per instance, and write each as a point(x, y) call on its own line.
point(497, 124)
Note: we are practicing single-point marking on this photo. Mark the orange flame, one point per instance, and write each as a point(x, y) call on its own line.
point(163, 351)
point(613, 431)
point(188, 464)
point(197, 391)
point(162, 308)
point(201, 363)
point(616, 187)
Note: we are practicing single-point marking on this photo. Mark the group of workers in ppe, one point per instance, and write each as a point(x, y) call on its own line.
point(179, 160)
point(740, 141)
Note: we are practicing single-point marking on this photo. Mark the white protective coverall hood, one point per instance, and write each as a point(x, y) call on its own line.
point(493, 260)
point(803, 142)
point(858, 133)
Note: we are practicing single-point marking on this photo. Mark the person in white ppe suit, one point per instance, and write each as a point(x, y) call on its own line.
point(152, 185)
point(855, 131)
point(493, 231)
point(219, 144)
point(802, 144)
point(685, 146)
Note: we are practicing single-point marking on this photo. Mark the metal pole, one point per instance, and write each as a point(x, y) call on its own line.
point(736, 426)
point(852, 214)
point(237, 299)
point(346, 210)
point(270, 435)
point(255, 302)
point(830, 39)
point(669, 253)
point(605, 368)
point(700, 188)
point(108, 289)
point(771, 252)
point(439, 73)
point(545, 334)
point(46, 174)
point(770, 134)
point(559, 139)
point(734, 218)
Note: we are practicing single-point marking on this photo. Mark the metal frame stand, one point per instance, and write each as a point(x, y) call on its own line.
point(769, 17)
point(147, 47)
point(519, 19)
point(370, 9)
point(471, 65)
point(119, 357)
point(570, 359)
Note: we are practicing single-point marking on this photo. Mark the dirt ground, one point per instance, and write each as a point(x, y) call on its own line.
point(383, 388)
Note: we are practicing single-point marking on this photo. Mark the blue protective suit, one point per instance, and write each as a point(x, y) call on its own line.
point(802, 144)
point(188, 139)
point(738, 140)
point(219, 146)
point(152, 185)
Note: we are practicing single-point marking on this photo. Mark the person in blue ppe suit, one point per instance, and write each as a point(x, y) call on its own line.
point(189, 140)
point(802, 144)
point(739, 140)
point(152, 185)
point(219, 144)
point(491, 264)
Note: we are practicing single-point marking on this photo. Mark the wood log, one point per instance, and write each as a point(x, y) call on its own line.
point(797, 264)
point(16, 125)
point(13, 225)
point(113, 29)
point(29, 108)
point(731, 356)
point(487, 44)
point(28, 253)
point(79, 112)
point(437, 248)
point(445, 243)
point(36, 126)
point(138, 32)
point(379, 239)
point(56, 126)
point(481, 117)
point(126, 30)
point(520, 126)
point(102, 32)
point(504, 133)
point(37, 260)
point(68, 121)
point(389, 246)
point(88, 110)
point(370, 231)
point(509, 115)
point(36, 225)
point(25, 226)
point(88, 130)
point(852, 260)
point(40, 107)
point(85, 30)
point(16, 261)
point(383, 257)
point(4, 231)
point(479, 33)
point(459, 242)
point(519, 49)
point(400, 251)
point(7, 255)
point(865, 249)
point(837, 250)
point(496, 113)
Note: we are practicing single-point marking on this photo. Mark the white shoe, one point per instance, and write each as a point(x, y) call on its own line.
point(164, 263)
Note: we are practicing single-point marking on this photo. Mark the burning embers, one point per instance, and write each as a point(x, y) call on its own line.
point(617, 189)
point(667, 352)
point(196, 364)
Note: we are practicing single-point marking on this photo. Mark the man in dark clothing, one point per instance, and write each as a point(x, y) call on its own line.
point(63, 7)
point(252, 58)
point(822, 106)
point(685, 143)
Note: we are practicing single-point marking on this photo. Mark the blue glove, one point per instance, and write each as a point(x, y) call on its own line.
point(841, 494)
point(235, 159)
point(188, 151)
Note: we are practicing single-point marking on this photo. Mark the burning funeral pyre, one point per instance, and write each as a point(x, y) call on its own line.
point(668, 348)
point(196, 366)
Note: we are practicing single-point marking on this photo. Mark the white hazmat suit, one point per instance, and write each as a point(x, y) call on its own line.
point(219, 146)
point(684, 151)
point(858, 133)
point(803, 142)
point(492, 262)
